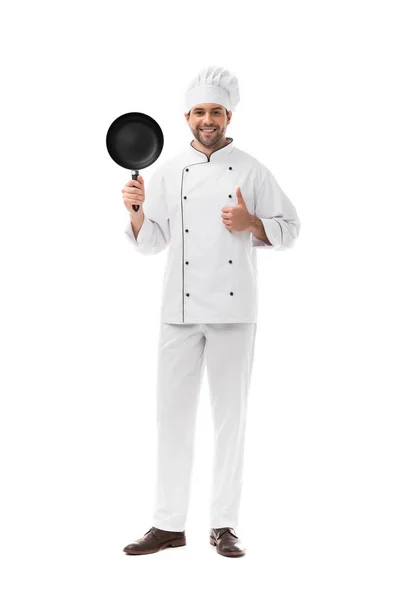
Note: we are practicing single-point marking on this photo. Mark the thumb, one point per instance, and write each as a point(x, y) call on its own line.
point(239, 196)
point(140, 179)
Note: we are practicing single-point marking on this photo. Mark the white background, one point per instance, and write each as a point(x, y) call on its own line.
point(79, 317)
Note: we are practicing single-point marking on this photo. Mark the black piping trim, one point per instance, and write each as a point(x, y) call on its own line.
point(183, 237)
point(214, 152)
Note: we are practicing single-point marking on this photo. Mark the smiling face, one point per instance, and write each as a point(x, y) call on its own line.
point(208, 123)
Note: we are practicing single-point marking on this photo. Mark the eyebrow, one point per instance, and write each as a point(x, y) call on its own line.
point(217, 108)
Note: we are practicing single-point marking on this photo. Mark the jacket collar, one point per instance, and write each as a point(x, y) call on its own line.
point(216, 155)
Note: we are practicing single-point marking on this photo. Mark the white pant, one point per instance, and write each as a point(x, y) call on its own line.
point(228, 349)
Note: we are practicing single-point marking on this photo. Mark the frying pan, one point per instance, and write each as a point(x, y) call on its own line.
point(134, 141)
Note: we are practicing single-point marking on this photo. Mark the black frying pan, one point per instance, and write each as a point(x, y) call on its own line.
point(134, 141)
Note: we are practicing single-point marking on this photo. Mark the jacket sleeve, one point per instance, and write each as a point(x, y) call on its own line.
point(277, 213)
point(155, 234)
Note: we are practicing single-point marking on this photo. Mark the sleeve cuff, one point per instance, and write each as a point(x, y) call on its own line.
point(141, 234)
point(273, 232)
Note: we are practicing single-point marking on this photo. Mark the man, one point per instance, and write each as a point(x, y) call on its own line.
point(213, 205)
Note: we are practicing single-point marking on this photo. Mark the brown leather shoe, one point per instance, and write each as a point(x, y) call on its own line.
point(156, 539)
point(227, 542)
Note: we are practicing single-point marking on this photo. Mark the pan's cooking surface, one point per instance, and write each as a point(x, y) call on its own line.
point(135, 144)
point(134, 140)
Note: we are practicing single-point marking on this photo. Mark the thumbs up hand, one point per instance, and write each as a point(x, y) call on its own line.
point(237, 218)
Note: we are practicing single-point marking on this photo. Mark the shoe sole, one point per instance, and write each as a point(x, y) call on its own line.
point(169, 544)
point(233, 554)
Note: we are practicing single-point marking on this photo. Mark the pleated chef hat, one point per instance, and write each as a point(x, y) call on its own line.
point(214, 85)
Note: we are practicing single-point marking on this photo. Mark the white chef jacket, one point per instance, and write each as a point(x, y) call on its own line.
point(211, 272)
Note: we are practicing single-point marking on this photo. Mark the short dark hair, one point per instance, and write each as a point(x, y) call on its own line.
point(227, 111)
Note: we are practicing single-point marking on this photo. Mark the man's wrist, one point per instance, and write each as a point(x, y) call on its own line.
point(136, 226)
point(252, 223)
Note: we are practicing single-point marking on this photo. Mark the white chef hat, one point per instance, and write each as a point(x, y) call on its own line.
point(214, 85)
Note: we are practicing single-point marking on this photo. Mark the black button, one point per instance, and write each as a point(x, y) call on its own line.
point(187, 230)
point(231, 293)
point(187, 262)
point(187, 169)
point(187, 294)
point(230, 168)
point(230, 261)
point(184, 197)
point(229, 196)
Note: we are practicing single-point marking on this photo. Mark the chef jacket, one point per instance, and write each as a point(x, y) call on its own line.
point(211, 272)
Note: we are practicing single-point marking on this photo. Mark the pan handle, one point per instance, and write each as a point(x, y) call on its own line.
point(135, 175)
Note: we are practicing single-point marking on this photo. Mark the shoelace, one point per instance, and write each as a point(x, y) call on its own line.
point(220, 533)
point(153, 532)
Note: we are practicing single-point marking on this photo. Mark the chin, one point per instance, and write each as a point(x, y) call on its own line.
point(209, 141)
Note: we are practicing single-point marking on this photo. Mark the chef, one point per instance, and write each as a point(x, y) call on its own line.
point(212, 207)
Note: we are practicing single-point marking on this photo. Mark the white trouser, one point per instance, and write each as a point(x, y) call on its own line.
point(228, 349)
